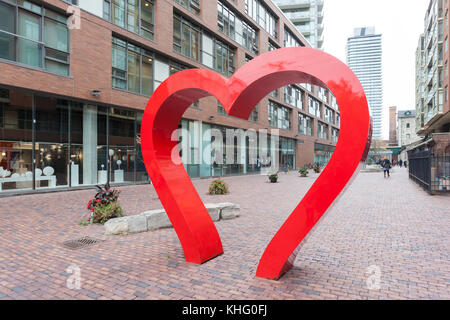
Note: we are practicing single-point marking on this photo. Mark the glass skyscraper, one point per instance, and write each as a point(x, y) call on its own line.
point(364, 57)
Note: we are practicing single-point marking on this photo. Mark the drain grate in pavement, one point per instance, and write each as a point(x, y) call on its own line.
point(80, 243)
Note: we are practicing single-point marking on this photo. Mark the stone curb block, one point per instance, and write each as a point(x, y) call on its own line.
point(229, 210)
point(157, 219)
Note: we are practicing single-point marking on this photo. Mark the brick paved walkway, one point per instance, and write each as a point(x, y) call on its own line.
point(392, 224)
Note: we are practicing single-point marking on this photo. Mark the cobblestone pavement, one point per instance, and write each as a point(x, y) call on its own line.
point(390, 224)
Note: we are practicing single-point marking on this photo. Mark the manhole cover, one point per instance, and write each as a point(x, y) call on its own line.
point(80, 243)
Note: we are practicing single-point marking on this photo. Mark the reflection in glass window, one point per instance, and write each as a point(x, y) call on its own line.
point(135, 15)
point(262, 15)
point(322, 130)
point(279, 116)
point(213, 53)
point(236, 28)
point(290, 40)
point(305, 124)
point(39, 37)
point(192, 5)
point(132, 68)
point(314, 107)
point(293, 96)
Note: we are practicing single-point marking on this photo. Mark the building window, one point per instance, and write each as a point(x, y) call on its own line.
point(446, 70)
point(254, 115)
point(314, 107)
point(175, 67)
point(307, 86)
point(338, 120)
point(408, 125)
point(322, 130)
point(236, 28)
point(192, 5)
point(258, 12)
point(290, 40)
point(213, 53)
point(334, 104)
point(323, 94)
point(305, 125)
point(408, 136)
point(221, 109)
point(279, 116)
point(223, 58)
point(134, 15)
point(293, 96)
point(132, 68)
point(334, 135)
point(329, 115)
point(272, 46)
point(186, 38)
point(34, 36)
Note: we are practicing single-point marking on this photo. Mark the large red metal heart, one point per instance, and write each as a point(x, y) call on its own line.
point(239, 95)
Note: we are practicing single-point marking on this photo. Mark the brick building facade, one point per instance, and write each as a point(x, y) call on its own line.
point(71, 98)
point(432, 80)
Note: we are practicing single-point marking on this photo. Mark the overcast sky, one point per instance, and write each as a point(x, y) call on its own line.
point(400, 22)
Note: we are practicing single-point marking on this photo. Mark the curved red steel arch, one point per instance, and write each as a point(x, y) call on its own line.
point(238, 95)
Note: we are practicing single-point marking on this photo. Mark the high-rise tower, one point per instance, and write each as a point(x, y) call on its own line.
point(364, 57)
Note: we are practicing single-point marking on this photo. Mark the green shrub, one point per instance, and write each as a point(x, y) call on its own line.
point(303, 171)
point(317, 168)
point(273, 176)
point(218, 187)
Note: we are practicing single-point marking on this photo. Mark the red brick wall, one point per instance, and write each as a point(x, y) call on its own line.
point(90, 69)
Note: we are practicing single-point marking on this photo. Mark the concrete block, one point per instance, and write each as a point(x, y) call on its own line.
point(116, 226)
point(137, 224)
point(156, 219)
point(229, 210)
point(214, 211)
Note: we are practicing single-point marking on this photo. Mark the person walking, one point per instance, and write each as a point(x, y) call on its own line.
point(386, 165)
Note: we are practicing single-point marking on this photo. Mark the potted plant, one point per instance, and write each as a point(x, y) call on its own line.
point(105, 205)
point(218, 187)
point(303, 171)
point(317, 168)
point(273, 177)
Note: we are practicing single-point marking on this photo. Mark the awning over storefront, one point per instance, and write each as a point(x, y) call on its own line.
point(395, 150)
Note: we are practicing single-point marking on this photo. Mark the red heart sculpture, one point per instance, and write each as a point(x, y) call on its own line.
point(238, 95)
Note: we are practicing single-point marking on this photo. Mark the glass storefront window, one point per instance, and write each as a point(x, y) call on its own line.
point(122, 145)
point(287, 152)
point(74, 143)
point(322, 153)
point(52, 142)
point(16, 147)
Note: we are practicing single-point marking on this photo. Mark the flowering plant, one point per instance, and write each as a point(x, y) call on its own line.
point(105, 204)
point(218, 187)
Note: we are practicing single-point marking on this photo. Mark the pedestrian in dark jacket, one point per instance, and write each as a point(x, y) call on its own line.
point(386, 165)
